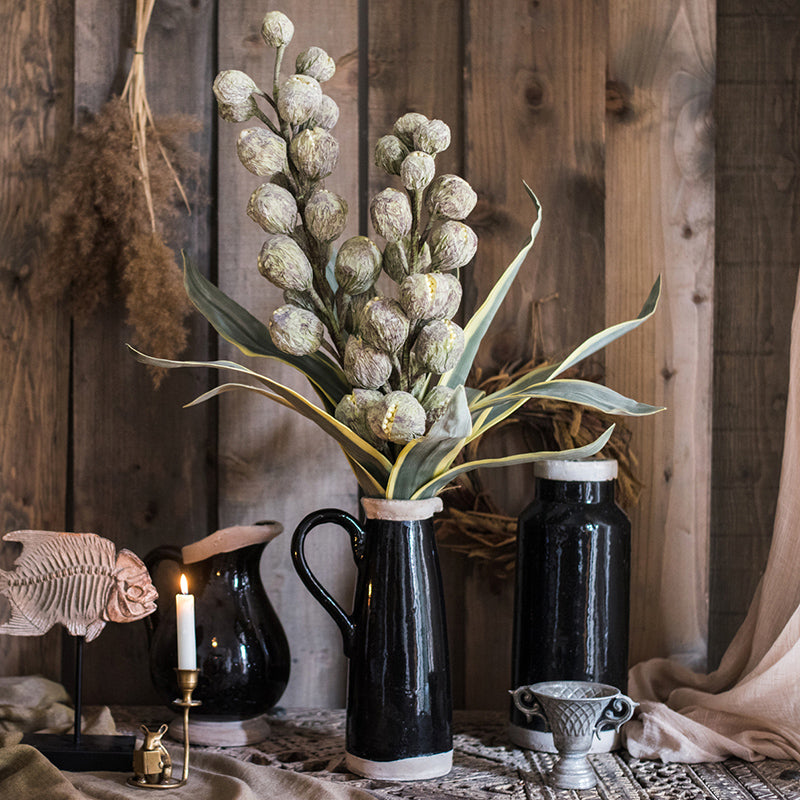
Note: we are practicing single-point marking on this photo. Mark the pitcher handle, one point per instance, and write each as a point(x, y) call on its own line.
point(317, 590)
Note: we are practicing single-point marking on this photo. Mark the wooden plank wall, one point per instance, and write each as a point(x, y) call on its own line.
point(142, 466)
point(660, 219)
point(36, 47)
point(605, 109)
point(758, 250)
point(272, 463)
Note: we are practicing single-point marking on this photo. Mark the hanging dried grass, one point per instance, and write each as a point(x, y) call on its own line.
point(114, 203)
point(472, 523)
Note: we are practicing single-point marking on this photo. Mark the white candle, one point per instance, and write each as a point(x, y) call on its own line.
point(187, 649)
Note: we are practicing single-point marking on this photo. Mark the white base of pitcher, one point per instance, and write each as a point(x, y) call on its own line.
point(418, 768)
point(543, 741)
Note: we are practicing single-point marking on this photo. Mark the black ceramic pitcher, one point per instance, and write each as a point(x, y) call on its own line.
point(242, 651)
point(399, 704)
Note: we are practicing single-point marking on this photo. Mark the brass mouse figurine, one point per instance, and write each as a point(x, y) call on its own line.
point(151, 762)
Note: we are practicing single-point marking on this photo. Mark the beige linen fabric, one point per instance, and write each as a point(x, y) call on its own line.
point(32, 704)
point(750, 706)
point(25, 774)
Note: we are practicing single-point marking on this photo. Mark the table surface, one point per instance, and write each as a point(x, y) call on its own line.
point(486, 766)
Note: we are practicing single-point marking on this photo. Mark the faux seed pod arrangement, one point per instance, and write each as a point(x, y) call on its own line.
point(389, 368)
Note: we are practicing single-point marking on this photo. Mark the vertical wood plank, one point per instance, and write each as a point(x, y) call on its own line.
point(757, 250)
point(410, 42)
point(659, 220)
point(534, 111)
point(141, 461)
point(36, 51)
point(274, 464)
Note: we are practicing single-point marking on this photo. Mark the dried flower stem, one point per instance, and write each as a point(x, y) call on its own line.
point(135, 94)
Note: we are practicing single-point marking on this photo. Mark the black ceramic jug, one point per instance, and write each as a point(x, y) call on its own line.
point(399, 704)
point(571, 603)
point(242, 651)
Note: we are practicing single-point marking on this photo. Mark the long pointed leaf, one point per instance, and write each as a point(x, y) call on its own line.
point(494, 408)
point(370, 485)
point(605, 337)
point(482, 319)
point(424, 458)
point(366, 480)
point(432, 488)
point(239, 327)
point(594, 395)
point(362, 451)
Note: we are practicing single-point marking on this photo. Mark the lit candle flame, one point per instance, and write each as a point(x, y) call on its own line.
point(184, 585)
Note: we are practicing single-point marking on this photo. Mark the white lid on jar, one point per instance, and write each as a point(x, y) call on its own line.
point(556, 469)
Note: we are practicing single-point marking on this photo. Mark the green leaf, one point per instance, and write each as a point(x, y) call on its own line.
point(482, 319)
point(239, 327)
point(432, 488)
point(424, 458)
point(354, 445)
point(370, 485)
point(346, 439)
point(605, 337)
point(589, 393)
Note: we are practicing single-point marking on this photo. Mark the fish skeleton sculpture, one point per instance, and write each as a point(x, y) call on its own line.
point(76, 579)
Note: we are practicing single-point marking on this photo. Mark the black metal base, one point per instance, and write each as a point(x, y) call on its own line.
point(93, 753)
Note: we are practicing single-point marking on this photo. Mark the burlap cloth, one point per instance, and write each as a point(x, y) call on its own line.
point(750, 706)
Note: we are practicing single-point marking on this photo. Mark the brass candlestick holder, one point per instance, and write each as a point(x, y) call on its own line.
point(152, 763)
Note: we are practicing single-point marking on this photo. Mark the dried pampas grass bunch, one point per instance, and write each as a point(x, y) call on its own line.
point(115, 204)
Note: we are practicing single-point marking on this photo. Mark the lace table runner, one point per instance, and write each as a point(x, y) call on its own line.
point(487, 767)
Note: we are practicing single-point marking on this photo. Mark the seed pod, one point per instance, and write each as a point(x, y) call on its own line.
point(390, 212)
point(434, 295)
point(298, 98)
point(277, 29)
point(395, 260)
point(353, 308)
point(364, 366)
point(453, 244)
point(398, 417)
point(450, 197)
point(283, 263)
point(273, 208)
point(301, 299)
point(406, 126)
point(358, 264)
point(389, 154)
point(353, 408)
point(261, 151)
point(314, 152)
point(327, 114)
point(438, 347)
point(383, 324)
point(423, 262)
point(432, 136)
point(326, 215)
point(316, 63)
point(417, 170)
point(295, 330)
point(234, 91)
point(434, 403)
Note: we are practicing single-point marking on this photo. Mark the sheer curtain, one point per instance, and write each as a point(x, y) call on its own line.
point(750, 706)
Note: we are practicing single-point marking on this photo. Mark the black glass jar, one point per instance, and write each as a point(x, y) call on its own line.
point(571, 603)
